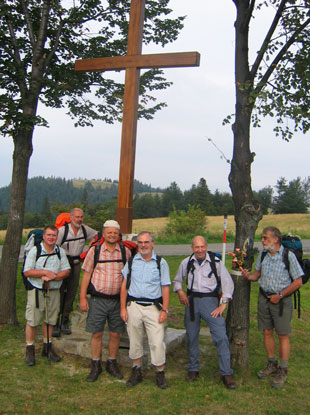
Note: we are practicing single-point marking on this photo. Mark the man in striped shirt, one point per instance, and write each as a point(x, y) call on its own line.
point(277, 284)
point(105, 281)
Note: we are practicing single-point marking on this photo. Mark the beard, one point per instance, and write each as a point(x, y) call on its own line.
point(270, 247)
point(76, 225)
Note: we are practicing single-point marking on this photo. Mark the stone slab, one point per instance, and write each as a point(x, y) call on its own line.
point(78, 343)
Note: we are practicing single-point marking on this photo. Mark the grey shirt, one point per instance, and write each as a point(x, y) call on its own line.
point(75, 248)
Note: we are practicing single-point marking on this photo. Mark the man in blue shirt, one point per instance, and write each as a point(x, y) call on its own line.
point(275, 302)
point(146, 307)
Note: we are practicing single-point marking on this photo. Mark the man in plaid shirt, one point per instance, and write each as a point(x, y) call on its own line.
point(105, 281)
point(275, 301)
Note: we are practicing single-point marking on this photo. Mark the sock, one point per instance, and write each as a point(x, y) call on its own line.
point(136, 365)
point(96, 359)
point(272, 359)
point(29, 343)
point(111, 358)
point(283, 364)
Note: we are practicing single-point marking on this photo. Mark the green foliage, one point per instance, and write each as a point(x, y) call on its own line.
point(186, 222)
point(293, 197)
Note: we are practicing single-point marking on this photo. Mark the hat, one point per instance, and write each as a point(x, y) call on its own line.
point(111, 224)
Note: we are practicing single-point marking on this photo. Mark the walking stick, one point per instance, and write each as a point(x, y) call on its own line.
point(46, 296)
point(224, 238)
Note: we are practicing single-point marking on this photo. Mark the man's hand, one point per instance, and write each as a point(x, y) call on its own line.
point(48, 276)
point(219, 310)
point(84, 304)
point(183, 298)
point(124, 315)
point(162, 316)
point(274, 299)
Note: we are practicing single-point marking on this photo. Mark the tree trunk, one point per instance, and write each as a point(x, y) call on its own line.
point(247, 210)
point(11, 248)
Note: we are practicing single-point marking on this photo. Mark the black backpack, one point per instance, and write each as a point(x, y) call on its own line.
point(215, 257)
point(64, 238)
point(35, 237)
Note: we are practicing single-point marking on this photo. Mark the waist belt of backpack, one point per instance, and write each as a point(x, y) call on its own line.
point(147, 301)
point(192, 294)
point(107, 296)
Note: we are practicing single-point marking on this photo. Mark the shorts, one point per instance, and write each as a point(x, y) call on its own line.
point(34, 315)
point(102, 310)
point(268, 315)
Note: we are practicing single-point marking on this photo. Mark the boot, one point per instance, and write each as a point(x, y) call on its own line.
point(112, 368)
point(56, 329)
point(229, 382)
point(280, 378)
point(66, 326)
point(95, 371)
point(136, 377)
point(161, 380)
point(270, 370)
point(30, 355)
point(50, 353)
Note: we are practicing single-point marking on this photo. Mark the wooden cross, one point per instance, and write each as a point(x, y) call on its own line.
point(133, 62)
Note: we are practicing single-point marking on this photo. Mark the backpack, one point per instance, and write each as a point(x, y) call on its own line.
point(130, 260)
point(34, 238)
point(132, 246)
point(63, 219)
point(294, 244)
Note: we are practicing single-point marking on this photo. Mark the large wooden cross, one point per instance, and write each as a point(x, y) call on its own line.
point(133, 62)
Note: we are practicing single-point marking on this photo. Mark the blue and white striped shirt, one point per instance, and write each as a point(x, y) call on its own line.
point(274, 277)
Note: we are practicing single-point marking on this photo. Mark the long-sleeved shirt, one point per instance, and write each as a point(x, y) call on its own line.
point(202, 282)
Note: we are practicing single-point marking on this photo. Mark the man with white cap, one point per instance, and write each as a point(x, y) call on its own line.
point(103, 281)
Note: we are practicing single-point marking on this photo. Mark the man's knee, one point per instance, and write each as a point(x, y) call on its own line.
point(114, 335)
point(268, 332)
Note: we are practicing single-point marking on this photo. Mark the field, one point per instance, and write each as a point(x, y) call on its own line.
point(61, 388)
point(298, 224)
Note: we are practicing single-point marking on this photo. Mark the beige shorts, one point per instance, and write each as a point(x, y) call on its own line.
point(34, 315)
point(142, 318)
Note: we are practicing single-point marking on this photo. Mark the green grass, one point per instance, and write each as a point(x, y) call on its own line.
point(61, 388)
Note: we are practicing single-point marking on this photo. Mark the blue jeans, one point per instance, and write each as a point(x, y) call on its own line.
point(203, 308)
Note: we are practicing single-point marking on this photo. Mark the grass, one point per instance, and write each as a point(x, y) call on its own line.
point(61, 388)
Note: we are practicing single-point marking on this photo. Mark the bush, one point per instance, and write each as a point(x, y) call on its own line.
point(186, 222)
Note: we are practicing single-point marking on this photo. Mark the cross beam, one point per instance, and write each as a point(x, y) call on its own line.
point(132, 63)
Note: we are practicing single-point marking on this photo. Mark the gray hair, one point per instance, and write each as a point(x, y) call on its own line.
point(146, 233)
point(76, 208)
point(274, 232)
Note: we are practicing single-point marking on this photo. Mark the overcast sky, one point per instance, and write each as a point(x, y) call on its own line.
point(174, 146)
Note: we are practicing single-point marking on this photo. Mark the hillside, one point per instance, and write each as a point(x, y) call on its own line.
point(61, 191)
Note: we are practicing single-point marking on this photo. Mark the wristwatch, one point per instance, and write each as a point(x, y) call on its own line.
point(225, 301)
point(165, 311)
point(281, 296)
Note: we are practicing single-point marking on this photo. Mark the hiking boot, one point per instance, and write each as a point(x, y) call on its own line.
point(161, 380)
point(50, 353)
point(95, 371)
point(112, 368)
point(270, 370)
point(136, 377)
point(56, 330)
point(65, 328)
point(229, 382)
point(30, 355)
point(280, 378)
point(192, 376)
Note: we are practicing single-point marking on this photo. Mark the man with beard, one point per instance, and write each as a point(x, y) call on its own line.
point(276, 285)
point(71, 237)
point(103, 281)
point(146, 281)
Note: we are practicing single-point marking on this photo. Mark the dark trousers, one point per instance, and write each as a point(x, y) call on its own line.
point(70, 284)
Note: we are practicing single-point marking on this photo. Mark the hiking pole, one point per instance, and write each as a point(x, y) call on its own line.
point(61, 314)
point(224, 238)
point(46, 296)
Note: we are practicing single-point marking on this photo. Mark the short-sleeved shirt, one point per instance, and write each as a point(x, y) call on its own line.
point(106, 277)
point(204, 280)
point(75, 248)
point(274, 277)
point(51, 263)
point(146, 280)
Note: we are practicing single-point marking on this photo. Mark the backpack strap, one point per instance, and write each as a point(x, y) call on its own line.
point(64, 238)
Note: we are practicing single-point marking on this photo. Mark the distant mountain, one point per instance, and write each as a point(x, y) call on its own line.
point(62, 191)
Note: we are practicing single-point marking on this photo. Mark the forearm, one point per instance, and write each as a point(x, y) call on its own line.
point(62, 275)
point(165, 291)
point(84, 284)
point(292, 288)
point(123, 297)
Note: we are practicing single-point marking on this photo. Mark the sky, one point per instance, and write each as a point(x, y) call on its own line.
point(174, 146)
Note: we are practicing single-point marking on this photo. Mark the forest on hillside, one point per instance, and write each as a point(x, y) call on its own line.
point(46, 197)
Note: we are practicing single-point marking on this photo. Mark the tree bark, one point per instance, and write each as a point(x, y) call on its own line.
point(11, 248)
point(248, 212)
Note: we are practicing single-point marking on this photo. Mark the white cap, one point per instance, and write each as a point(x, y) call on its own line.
point(111, 224)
